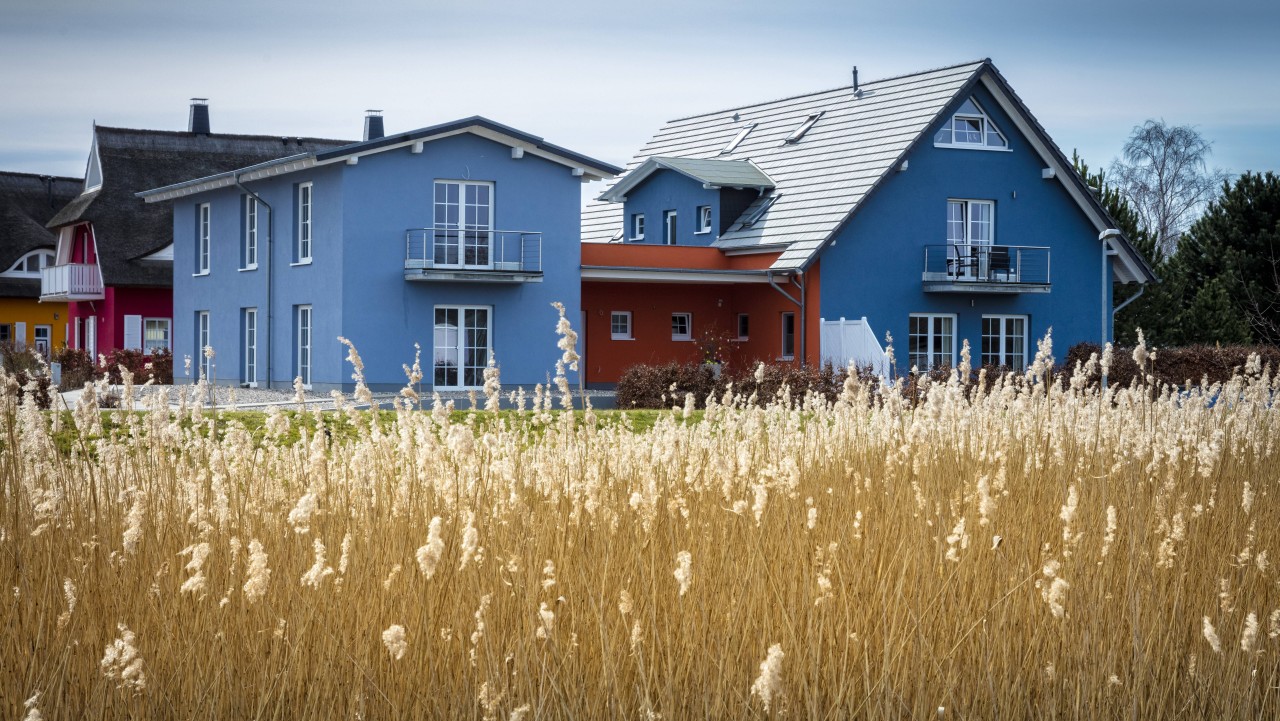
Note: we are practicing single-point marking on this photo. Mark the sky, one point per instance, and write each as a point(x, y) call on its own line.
point(601, 77)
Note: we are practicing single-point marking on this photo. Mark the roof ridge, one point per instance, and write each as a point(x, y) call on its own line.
point(219, 136)
point(38, 176)
point(986, 61)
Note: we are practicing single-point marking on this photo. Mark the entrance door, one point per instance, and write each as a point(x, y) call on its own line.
point(461, 346)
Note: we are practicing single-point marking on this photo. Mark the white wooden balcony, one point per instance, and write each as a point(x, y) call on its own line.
point(70, 282)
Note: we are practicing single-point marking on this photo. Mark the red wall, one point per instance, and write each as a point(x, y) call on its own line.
point(714, 307)
point(111, 310)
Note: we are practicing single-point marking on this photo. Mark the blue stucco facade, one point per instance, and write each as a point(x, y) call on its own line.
point(874, 268)
point(355, 283)
point(665, 191)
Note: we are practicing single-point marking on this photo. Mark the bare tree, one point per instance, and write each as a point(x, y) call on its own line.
point(1164, 177)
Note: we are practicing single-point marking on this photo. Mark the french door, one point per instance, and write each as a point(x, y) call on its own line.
point(463, 235)
point(462, 344)
point(970, 233)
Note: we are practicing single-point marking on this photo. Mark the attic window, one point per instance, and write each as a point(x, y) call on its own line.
point(760, 211)
point(737, 139)
point(970, 127)
point(799, 132)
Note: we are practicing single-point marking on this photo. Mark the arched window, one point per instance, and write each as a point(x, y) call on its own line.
point(30, 265)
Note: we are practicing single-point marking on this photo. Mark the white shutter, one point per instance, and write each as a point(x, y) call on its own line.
point(133, 332)
point(75, 329)
point(91, 336)
point(20, 335)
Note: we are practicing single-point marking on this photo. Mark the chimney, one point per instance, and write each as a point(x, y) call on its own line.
point(373, 125)
point(199, 122)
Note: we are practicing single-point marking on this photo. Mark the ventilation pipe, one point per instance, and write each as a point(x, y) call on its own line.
point(198, 123)
point(373, 125)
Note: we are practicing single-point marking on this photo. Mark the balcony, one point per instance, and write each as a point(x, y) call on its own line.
point(450, 254)
point(981, 268)
point(71, 282)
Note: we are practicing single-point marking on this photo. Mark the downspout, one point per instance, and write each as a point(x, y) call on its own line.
point(1105, 238)
point(235, 178)
point(799, 303)
point(1141, 289)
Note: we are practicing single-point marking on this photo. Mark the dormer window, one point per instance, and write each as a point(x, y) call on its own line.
point(737, 139)
point(799, 132)
point(970, 127)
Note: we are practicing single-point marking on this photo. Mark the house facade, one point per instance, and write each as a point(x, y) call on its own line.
point(27, 202)
point(113, 263)
point(455, 238)
point(930, 208)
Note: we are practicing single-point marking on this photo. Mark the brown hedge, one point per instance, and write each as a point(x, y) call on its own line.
point(1176, 366)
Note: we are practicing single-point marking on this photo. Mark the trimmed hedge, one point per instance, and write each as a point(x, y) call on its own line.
point(664, 386)
point(78, 367)
point(1176, 366)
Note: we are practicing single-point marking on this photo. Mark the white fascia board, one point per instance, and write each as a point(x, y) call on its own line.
point(164, 255)
point(659, 275)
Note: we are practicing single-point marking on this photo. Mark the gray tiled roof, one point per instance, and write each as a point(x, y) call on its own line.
point(821, 179)
point(714, 172)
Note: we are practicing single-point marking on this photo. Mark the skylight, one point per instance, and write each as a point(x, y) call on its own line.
point(970, 127)
point(799, 132)
point(760, 211)
point(737, 139)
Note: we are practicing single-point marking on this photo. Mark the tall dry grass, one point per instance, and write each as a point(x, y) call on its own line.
point(1024, 551)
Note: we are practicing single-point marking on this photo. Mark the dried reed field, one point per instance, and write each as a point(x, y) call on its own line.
point(1035, 549)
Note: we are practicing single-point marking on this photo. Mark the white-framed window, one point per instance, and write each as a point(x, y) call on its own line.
point(620, 325)
point(1004, 341)
point(669, 227)
point(249, 257)
point(737, 139)
point(931, 340)
point(30, 265)
point(788, 336)
point(971, 227)
point(249, 348)
point(202, 239)
point(461, 346)
point(302, 246)
point(744, 326)
point(202, 341)
point(799, 132)
point(972, 128)
point(302, 343)
point(704, 220)
point(637, 226)
point(463, 229)
point(43, 339)
point(156, 334)
point(681, 326)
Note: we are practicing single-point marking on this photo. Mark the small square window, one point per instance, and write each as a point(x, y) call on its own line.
point(637, 226)
point(681, 326)
point(744, 326)
point(704, 219)
point(620, 325)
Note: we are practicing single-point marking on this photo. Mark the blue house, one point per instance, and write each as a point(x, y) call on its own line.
point(932, 207)
point(456, 237)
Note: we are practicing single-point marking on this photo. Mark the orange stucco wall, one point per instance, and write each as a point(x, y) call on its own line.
point(34, 313)
point(637, 255)
point(715, 309)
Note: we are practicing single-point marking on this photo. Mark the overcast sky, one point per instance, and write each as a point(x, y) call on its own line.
point(600, 77)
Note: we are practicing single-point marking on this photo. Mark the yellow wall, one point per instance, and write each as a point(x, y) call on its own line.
point(34, 313)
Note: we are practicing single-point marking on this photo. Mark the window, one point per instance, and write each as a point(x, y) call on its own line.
point(6, 333)
point(205, 366)
point(43, 336)
point(461, 346)
point(302, 343)
point(744, 326)
point(760, 210)
point(931, 341)
point(155, 334)
point(463, 230)
point(737, 139)
point(249, 257)
point(681, 326)
point(637, 226)
point(202, 239)
point(799, 132)
point(704, 219)
point(1004, 341)
point(669, 227)
point(249, 352)
point(971, 128)
point(302, 250)
point(30, 265)
point(620, 325)
point(788, 336)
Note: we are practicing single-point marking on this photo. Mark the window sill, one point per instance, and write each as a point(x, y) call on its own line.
point(963, 146)
point(786, 359)
point(702, 232)
point(621, 338)
point(681, 339)
point(248, 268)
point(636, 240)
point(300, 262)
point(200, 274)
point(741, 339)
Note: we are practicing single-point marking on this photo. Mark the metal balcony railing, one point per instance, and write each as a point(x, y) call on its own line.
point(76, 281)
point(452, 248)
point(1012, 265)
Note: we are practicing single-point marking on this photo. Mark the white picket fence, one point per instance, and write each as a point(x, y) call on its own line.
point(852, 343)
